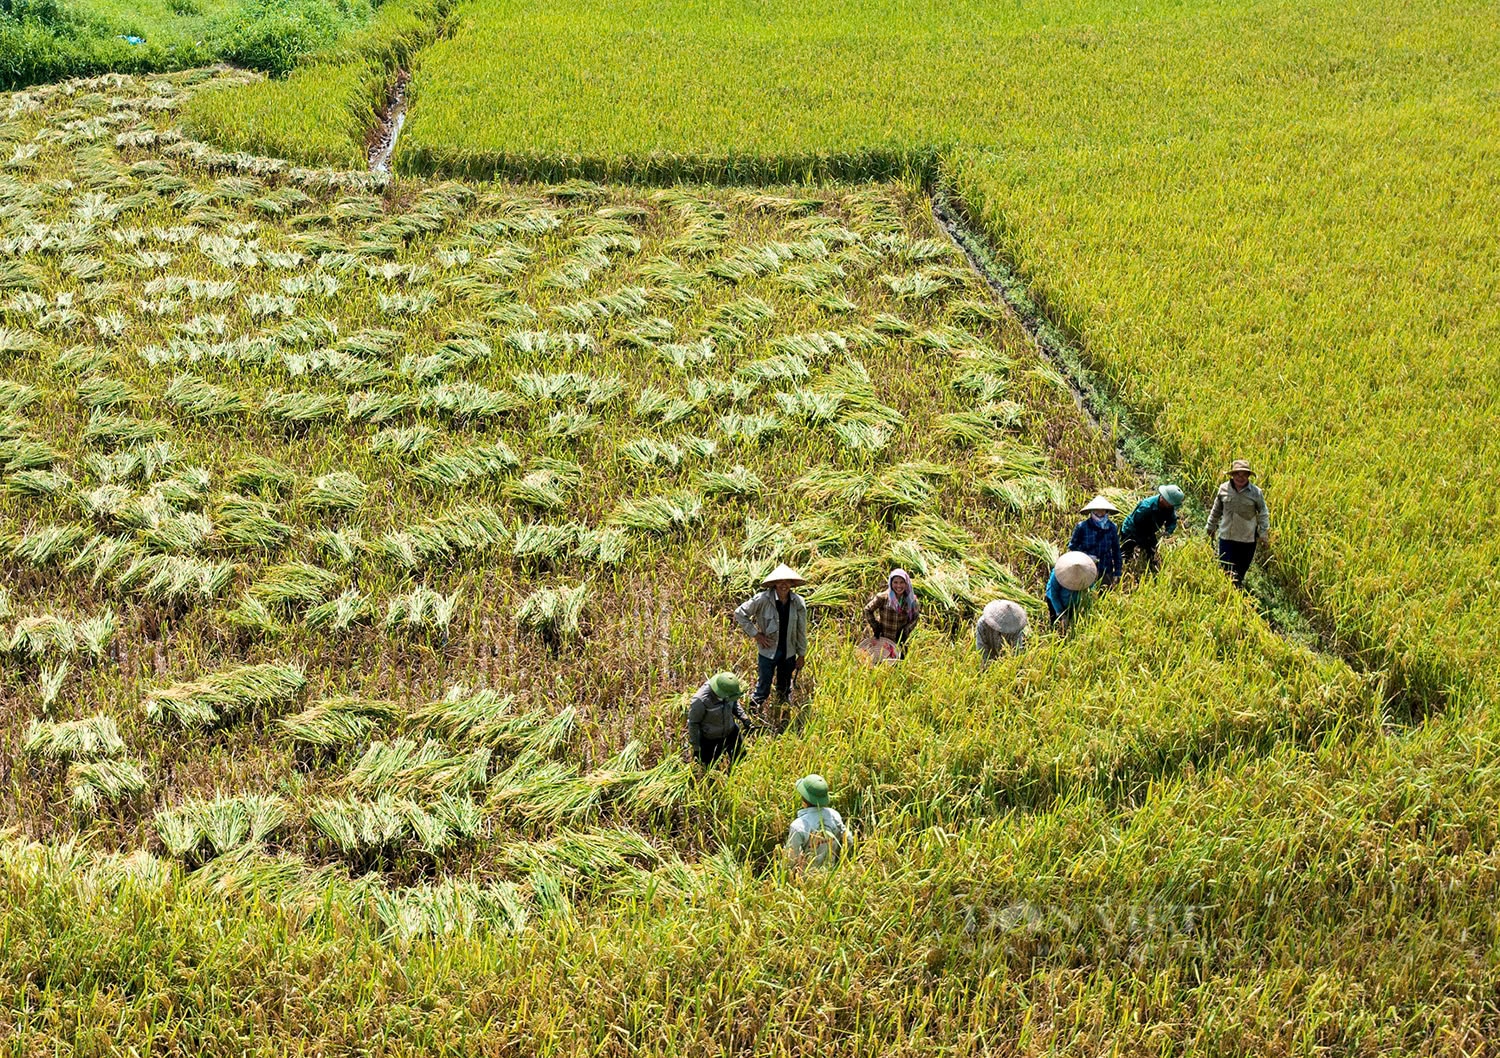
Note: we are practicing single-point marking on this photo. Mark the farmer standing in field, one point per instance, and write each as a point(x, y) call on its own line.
point(1153, 517)
point(892, 614)
point(1239, 521)
point(1099, 538)
point(1071, 579)
point(1001, 627)
point(776, 618)
point(817, 835)
point(714, 719)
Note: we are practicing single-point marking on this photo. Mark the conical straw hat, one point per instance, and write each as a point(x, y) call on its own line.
point(783, 572)
point(1098, 503)
point(1076, 571)
point(1005, 617)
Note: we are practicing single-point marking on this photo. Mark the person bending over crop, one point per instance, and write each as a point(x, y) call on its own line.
point(1097, 537)
point(1001, 627)
point(817, 835)
point(893, 613)
point(1071, 578)
point(776, 618)
point(714, 719)
point(1153, 518)
point(1238, 521)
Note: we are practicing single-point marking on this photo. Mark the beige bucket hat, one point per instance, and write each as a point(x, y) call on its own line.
point(1098, 503)
point(1239, 466)
point(783, 572)
point(1005, 617)
point(1076, 571)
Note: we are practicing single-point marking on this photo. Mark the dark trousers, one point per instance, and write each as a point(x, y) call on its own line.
point(769, 669)
point(1129, 546)
point(711, 749)
point(1236, 556)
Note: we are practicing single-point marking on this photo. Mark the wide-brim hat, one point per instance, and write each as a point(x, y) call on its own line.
point(1172, 494)
point(1076, 571)
point(1098, 503)
point(1240, 466)
point(814, 790)
point(783, 572)
point(726, 685)
point(1006, 617)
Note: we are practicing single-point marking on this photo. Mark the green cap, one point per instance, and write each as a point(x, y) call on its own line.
point(814, 790)
point(726, 685)
point(1172, 494)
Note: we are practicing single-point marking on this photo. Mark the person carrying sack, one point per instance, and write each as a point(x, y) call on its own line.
point(776, 618)
point(1238, 521)
point(714, 718)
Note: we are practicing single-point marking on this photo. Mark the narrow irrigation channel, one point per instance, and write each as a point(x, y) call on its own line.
point(1009, 287)
point(392, 118)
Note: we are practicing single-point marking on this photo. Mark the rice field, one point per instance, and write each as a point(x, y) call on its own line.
point(382, 526)
point(363, 536)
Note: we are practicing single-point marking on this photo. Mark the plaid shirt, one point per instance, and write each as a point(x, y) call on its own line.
point(1100, 544)
point(887, 621)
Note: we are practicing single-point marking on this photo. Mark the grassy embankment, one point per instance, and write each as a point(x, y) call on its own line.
point(50, 40)
point(324, 110)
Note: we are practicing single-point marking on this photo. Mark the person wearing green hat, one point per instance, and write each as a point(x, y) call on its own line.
point(817, 835)
point(714, 719)
point(1153, 517)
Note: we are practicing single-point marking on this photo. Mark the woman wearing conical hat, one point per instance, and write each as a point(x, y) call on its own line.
point(1071, 579)
point(776, 618)
point(1099, 538)
point(1001, 627)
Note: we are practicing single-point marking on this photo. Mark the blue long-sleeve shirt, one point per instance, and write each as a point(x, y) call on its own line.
point(1061, 599)
point(1102, 544)
point(1150, 517)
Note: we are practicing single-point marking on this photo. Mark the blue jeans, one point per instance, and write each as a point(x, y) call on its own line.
point(769, 668)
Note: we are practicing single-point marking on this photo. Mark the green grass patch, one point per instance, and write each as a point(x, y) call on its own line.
point(50, 40)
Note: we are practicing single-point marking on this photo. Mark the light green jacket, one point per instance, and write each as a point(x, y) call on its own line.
point(817, 836)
